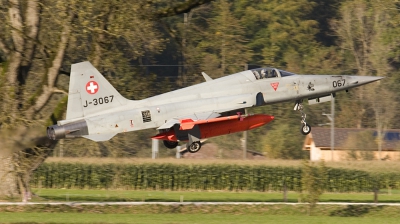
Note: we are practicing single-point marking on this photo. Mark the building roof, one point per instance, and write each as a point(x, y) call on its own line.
point(322, 137)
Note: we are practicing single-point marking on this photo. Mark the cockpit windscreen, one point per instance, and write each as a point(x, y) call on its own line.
point(285, 73)
point(264, 73)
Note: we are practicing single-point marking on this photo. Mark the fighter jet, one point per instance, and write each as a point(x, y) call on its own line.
point(96, 110)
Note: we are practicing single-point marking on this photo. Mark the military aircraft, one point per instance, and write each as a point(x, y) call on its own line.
point(96, 110)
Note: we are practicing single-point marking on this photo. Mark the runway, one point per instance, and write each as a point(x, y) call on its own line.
point(187, 203)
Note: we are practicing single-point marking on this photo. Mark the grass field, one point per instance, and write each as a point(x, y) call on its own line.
point(198, 196)
point(220, 214)
point(191, 213)
point(184, 218)
point(199, 214)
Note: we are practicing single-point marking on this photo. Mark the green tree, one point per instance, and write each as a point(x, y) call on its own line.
point(361, 145)
point(39, 41)
point(313, 182)
point(282, 33)
point(223, 48)
point(284, 142)
point(368, 38)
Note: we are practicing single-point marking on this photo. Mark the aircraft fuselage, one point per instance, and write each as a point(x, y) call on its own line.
point(98, 112)
point(234, 92)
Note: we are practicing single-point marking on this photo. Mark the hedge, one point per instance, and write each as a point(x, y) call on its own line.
point(200, 177)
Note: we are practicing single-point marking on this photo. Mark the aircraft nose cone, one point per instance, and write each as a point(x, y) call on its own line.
point(361, 80)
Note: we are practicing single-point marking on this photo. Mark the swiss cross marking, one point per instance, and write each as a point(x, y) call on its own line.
point(275, 85)
point(92, 87)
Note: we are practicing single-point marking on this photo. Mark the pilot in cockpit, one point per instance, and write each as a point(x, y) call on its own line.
point(256, 75)
point(263, 74)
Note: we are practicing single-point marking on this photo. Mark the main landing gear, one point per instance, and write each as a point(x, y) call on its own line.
point(305, 128)
point(192, 148)
point(170, 144)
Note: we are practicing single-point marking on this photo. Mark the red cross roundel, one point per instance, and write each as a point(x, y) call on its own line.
point(92, 87)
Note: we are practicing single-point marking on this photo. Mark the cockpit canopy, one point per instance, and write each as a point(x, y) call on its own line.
point(264, 73)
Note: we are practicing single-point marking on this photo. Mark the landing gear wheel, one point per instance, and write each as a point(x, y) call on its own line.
point(170, 144)
point(194, 147)
point(305, 129)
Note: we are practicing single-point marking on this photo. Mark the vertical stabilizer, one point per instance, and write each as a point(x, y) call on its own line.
point(90, 92)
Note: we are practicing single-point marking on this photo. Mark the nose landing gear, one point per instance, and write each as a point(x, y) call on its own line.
point(305, 128)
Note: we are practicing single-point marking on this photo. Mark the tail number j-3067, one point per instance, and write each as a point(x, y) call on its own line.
point(338, 83)
point(99, 101)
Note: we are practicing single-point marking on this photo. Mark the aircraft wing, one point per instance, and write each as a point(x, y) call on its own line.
point(195, 116)
point(234, 105)
point(187, 124)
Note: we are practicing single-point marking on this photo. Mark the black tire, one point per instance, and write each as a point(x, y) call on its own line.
point(170, 144)
point(305, 129)
point(194, 147)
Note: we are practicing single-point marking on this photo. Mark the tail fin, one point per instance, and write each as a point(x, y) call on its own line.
point(90, 92)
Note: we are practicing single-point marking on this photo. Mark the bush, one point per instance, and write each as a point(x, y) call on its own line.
point(200, 177)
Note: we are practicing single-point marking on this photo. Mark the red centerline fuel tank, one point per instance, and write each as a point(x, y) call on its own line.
point(217, 126)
